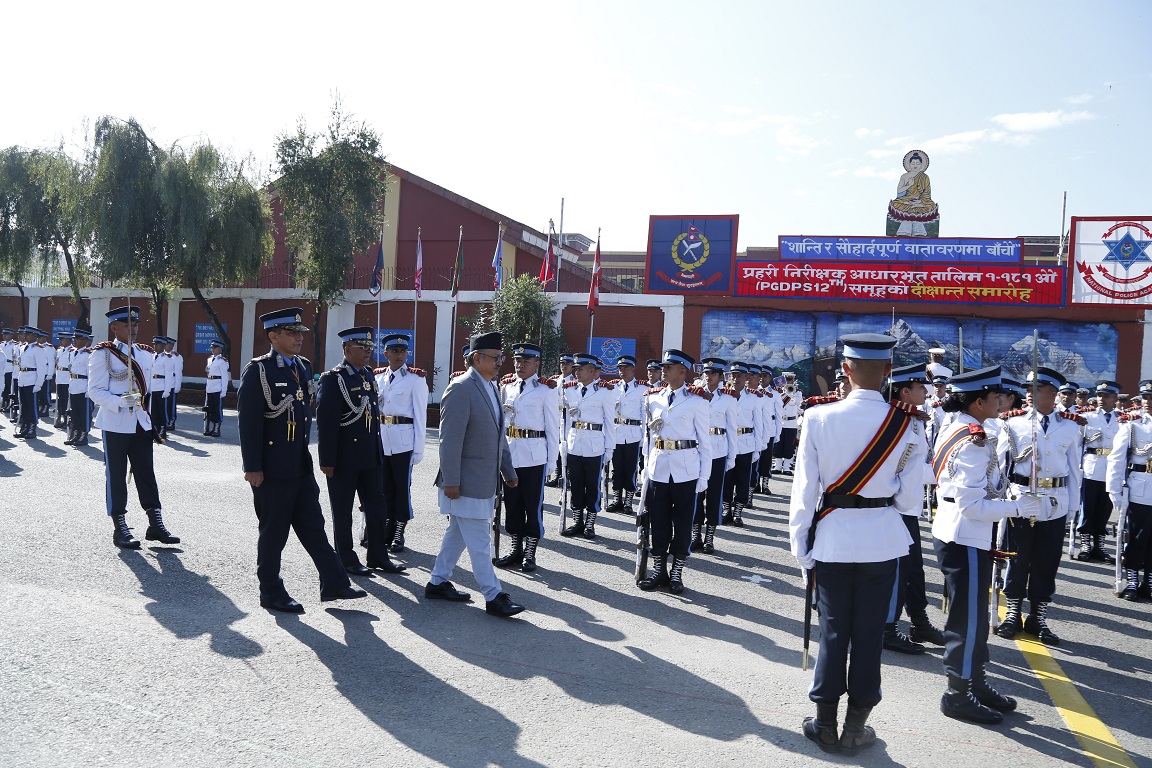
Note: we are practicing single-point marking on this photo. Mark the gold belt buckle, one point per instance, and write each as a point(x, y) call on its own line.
point(1103, 451)
point(1045, 482)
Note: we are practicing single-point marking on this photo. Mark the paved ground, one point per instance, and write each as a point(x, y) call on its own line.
point(164, 655)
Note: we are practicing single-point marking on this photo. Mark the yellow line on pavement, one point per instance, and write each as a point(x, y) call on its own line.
point(1098, 742)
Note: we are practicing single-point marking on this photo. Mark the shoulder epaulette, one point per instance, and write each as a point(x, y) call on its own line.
point(569, 384)
point(457, 373)
point(417, 371)
point(728, 391)
point(1073, 417)
point(378, 371)
point(508, 379)
point(145, 347)
point(613, 382)
point(1124, 418)
point(105, 345)
point(653, 390)
point(767, 393)
point(701, 392)
point(550, 383)
point(977, 433)
point(820, 400)
point(1010, 414)
point(607, 385)
point(785, 399)
point(910, 409)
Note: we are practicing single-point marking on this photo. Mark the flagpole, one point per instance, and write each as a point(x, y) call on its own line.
point(592, 287)
point(560, 244)
point(417, 279)
point(376, 334)
point(456, 288)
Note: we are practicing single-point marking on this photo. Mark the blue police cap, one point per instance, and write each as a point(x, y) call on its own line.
point(288, 319)
point(127, 313)
point(868, 346)
point(980, 380)
point(583, 358)
point(525, 350)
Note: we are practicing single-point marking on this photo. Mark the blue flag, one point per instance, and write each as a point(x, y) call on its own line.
point(378, 274)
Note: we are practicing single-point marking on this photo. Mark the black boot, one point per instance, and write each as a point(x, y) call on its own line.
point(513, 559)
point(822, 728)
point(895, 640)
point(1131, 591)
point(1011, 624)
point(216, 431)
point(737, 521)
point(726, 518)
point(1145, 588)
point(856, 735)
point(590, 525)
point(924, 632)
point(989, 696)
point(81, 439)
point(1085, 553)
point(657, 574)
point(397, 544)
point(697, 542)
point(59, 421)
point(617, 504)
point(577, 526)
point(122, 534)
point(71, 439)
point(157, 531)
point(530, 544)
point(1098, 552)
point(959, 703)
point(676, 576)
point(709, 539)
point(207, 427)
point(1037, 624)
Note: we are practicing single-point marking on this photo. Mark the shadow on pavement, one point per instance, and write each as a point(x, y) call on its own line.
point(187, 604)
point(382, 682)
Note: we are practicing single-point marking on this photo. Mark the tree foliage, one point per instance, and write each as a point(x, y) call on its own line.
point(330, 186)
point(521, 311)
point(17, 239)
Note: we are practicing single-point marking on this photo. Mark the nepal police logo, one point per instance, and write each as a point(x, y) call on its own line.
point(690, 251)
point(610, 351)
point(1126, 250)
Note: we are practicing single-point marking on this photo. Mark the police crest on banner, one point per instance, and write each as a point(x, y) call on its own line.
point(1110, 259)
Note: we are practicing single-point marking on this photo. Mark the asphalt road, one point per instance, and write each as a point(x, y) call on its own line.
point(164, 655)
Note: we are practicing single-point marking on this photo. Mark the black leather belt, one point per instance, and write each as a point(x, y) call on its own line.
point(26, 370)
point(1042, 482)
point(1140, 467)
point(79, 376)
point(789, 418)
point(717, 431)
point(514, 433)
point(587, 425)
point(948, 499)
point(213, 377)
point(400, 420)
point(629, 422)
point(852, 501)
point(745, 430)
point(1097, 451)
point(161, 376)
point(674, 445)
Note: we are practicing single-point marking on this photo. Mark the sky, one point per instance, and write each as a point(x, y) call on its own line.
point(796, 116)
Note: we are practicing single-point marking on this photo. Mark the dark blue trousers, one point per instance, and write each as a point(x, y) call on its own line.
point(671, 507)
point(624, 460)
point(967, 577)
point(708, 503)
point(584, 481)
point(738, 480)
point(1032, 572)
point(853, 601)
point(343, 488)
point(80, 411)
point(524, 504)
point(909, 588)
point(397, 474)
point(293, 505)
point(120, 450)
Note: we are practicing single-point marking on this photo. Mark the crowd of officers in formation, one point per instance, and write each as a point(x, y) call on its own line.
point(1005, 471)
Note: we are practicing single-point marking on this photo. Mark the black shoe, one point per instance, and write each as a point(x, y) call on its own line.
point(989, 696)
point(513, 559)
point(894, 640)
point(502, 606)
point(924, 632)
point(157, 531)
point(345, 593)
point(283, 604)
point(356, 569)
point(1144, 590)
point(657, 575)
point(824, 734)
point(122, 534)
point(1011, 624)
point(1039, 628)
point(961, 704)
point(856, 735)
point(576, 528)
point(445, 591)
point(387, 566)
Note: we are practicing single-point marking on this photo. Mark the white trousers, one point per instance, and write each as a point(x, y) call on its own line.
point(475, 534)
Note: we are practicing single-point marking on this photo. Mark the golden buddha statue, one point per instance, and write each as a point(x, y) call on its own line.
point(913, 213)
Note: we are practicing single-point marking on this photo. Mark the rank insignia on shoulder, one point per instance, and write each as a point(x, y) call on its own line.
point(654, 390)
point(457, 373)
point(1013, 413)
point(510, 378)
point(1073, 417)
point(105, 345)
point(977, 433)
point(701, 392)
point(147, 348)
point(607, 385)
point(417, 372)
point(911, 410)
point(820, 400)
point(550, 383)
point(378, 371)
point(570, 384)
point(728, 391)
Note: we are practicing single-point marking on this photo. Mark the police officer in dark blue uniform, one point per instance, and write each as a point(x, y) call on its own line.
point(348, 437)
point(275, 421)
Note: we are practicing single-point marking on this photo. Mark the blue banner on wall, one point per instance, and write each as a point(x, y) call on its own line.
point(62, 326)
point(691, 254)
point(204, 333)
point(974, 249)
point(378, 357)
point(609, 349)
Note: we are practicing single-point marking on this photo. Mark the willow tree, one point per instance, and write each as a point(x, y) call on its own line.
point(216, 222)
point(126, 213)
point(17, 240)
point(331, 186)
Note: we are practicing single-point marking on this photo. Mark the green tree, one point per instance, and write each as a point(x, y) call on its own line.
point(126, 214)
point(521, 311)
point(17, 240)
point(330, 186)
point(216, 221)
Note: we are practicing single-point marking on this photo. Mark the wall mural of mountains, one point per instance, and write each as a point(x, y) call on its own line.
point(805, 343)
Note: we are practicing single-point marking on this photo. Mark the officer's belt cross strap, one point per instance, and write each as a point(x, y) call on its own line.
point(865, 467)
point(674, 445)
point(1041, 482)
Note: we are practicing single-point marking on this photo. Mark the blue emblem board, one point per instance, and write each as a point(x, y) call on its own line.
point(378, 355)
point(61, 326)
point(691, 254)
point(202, 337)
point(609, 349)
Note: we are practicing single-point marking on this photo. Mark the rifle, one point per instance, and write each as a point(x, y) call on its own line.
point(809, 594)
point(496, 517)
point(643, 522)
point(607, 494)
point(1122, 534)
point(999, 558)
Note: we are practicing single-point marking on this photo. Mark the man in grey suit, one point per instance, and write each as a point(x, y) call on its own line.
point(473, 456)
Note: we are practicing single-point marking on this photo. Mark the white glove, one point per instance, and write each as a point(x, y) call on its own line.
point(416, 459)
point(806, 562)
point(1116, 500)
point(755, 456)
point(702, 484)
point(729, 465)
point(130, 400)
point(1030, 506)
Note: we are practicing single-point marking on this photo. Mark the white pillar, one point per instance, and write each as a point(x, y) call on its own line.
point(674, 327)
point(247, 335)
point(445, 358)
point(34, 309)
point(172, 322)
point(1146, 347)
point(98, 308)
point(339, 317)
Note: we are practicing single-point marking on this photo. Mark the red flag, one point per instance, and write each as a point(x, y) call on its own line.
point(594, 286)
point(547, 271)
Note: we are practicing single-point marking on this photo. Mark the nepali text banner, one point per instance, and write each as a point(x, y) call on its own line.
point(1031, 286)
point(900, 249)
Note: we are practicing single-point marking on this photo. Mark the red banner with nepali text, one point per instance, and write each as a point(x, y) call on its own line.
point(869, 281)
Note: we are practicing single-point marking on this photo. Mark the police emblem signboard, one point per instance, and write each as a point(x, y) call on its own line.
point(609, 350)
point(1111, 260)
point(691, 254)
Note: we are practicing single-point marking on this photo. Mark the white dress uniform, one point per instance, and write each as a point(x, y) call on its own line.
point(589, 439)
point(177, 385)
point(216, 370)
point(403, 404)
point(722, 448)
point(629, 433)
point(1129, 463)
point(1099, 434)
point(80, 408)
point(750, 435)
point(532, 412)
